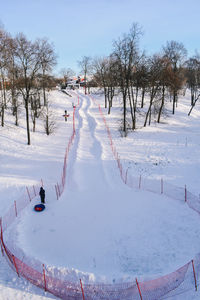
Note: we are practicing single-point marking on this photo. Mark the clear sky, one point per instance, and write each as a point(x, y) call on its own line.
point(88, 27)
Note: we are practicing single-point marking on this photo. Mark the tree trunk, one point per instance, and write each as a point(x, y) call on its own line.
point(44, 96)
point(162, 104)
point(124, 114)
point(134, 106)
point(16, 116)
point(34, 122)
point(4, 93)
point(142, 101)
point(27, 121)
point(47, 125)
point(149, 109)
point(150, 116)
point(131, 107)
point(2, 116)
point(112, 94)
point(147, 115)
point(13, 102)
point(109, 107)
point(105, 95)
point(174, 101)
point(192, 96)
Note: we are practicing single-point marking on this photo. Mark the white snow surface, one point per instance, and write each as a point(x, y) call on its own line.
point(101, 230)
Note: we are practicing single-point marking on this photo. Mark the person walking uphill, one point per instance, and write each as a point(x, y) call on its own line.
point(42, 195)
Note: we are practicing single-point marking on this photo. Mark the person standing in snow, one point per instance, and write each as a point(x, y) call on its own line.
point(42, 195)
point(65, 115)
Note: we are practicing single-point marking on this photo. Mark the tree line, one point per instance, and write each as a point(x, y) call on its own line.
point(25, 79)
point(133, 74)
point(145, 83)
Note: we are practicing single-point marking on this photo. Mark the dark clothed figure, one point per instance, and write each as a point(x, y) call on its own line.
point(42, 195)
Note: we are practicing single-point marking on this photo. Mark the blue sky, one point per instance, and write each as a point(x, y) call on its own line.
point(88, 28)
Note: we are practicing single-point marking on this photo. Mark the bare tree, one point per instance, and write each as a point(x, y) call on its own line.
point(49, 119)
point(85, 65)
point(47, 61)
point(28, 64)
point(193, 76)
point(193, 79)
point(36, 107)
point(126, 54)
point(112, 80)
point(4, 46)
point(105, 75)
point(136, 80)
point(141, 76)
point(176, 53)
point(100, 68)
point(66, 73)
point(165, 77)
point(12, 78)
point(155, 72)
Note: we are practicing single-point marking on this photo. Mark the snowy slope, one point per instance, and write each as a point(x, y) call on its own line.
point(101, 229)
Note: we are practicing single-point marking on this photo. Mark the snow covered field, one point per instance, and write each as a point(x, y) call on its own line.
point(100, 229)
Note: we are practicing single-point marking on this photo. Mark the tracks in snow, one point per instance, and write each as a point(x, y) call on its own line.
point(87, 167)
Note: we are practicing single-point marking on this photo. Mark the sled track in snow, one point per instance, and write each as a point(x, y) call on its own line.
point(175, 283)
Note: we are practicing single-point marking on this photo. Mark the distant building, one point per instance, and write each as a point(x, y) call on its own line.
point(73, 86)
point(75, 82)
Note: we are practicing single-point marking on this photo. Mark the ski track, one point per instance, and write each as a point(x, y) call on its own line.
point(87, 151)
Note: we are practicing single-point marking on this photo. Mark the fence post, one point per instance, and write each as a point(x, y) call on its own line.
point(63, 181)
point(120, 168)
point(195, 280)
point(126, 176)
point(140, 179)
point(44, 276)
point(14, 261)
point(82, 290)
point(1, 228)
point(161, 186)
point(138, 288)
point(2, 249)
point(34, 190)
point(28, 194)
point(185, 194)
point(56, 191)
point(1, 231)
point(15, 208)
point(1, 237)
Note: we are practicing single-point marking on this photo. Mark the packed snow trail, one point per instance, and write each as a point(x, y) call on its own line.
point(88, 151)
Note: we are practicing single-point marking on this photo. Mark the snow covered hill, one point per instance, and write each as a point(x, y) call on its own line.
point(100, 230)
